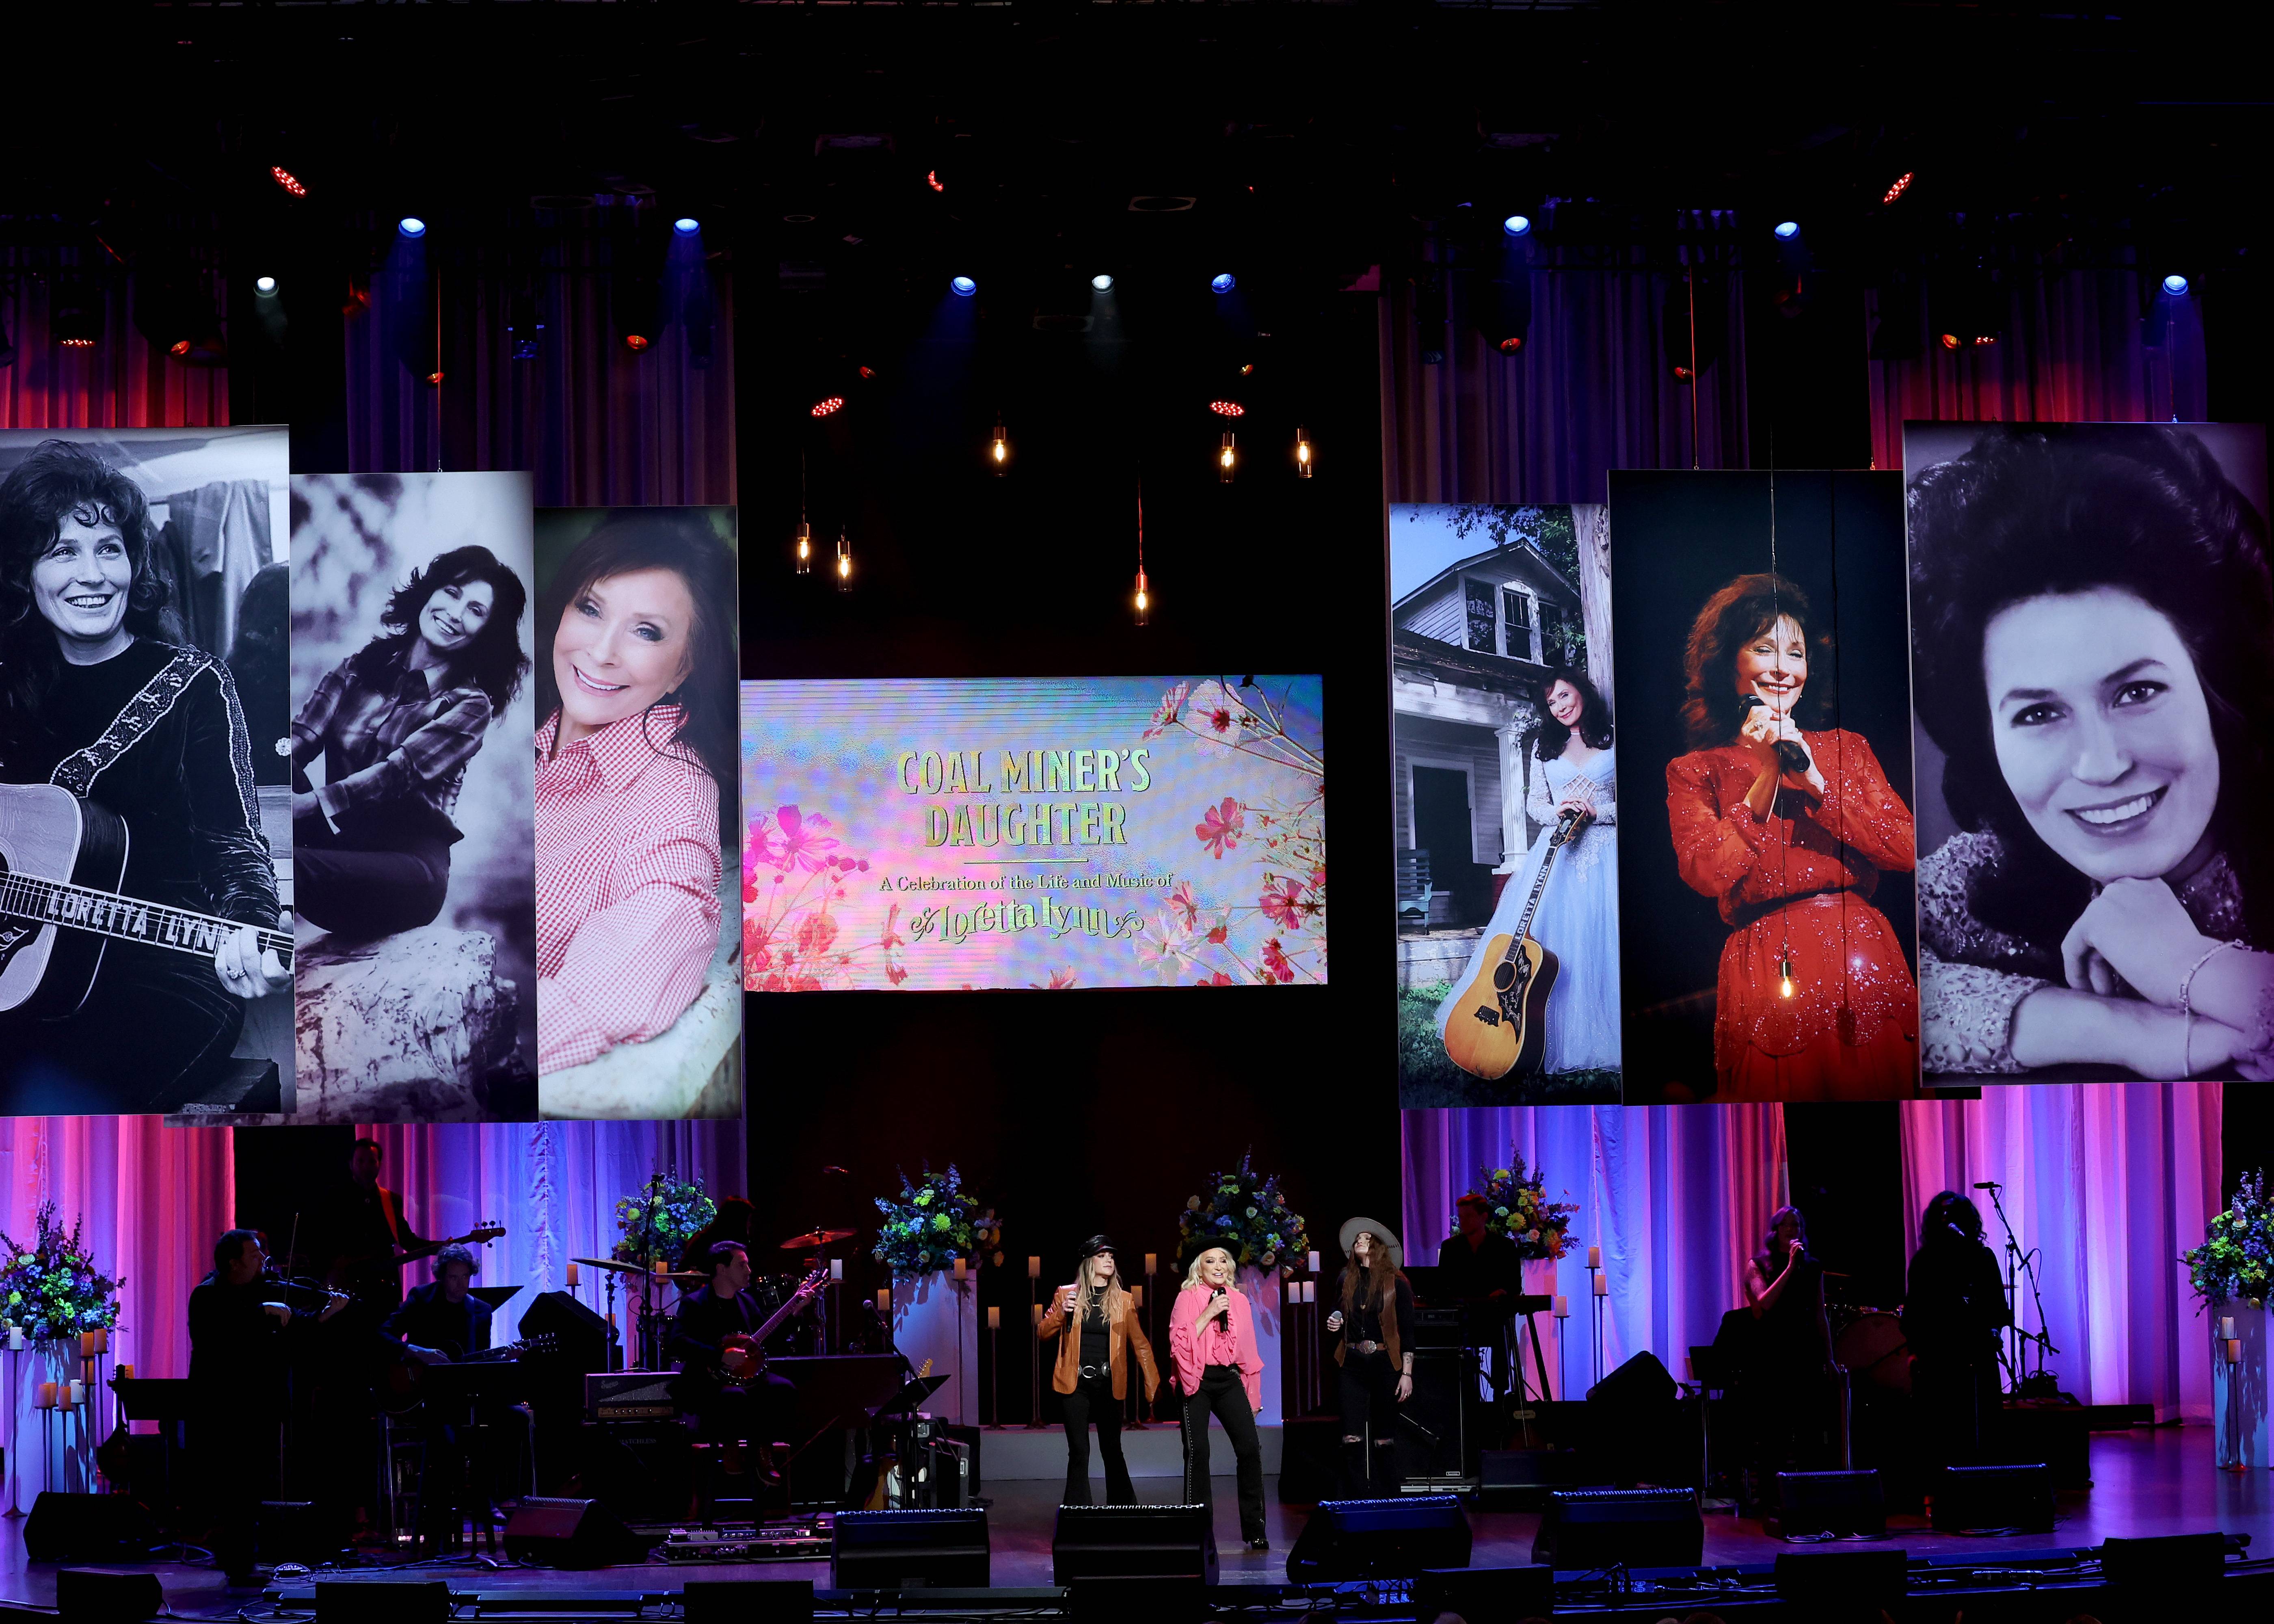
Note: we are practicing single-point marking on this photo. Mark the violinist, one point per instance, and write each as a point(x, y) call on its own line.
point(240, 1319)
point(725, 1392)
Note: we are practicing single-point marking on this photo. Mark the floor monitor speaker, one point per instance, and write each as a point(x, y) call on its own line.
point(1633, 1528)
point(1379, 1538)
point(1122, 1541)
point(906, 1550)
point(546, 1532)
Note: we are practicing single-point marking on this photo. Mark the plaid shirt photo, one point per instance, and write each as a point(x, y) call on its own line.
point(398, 738)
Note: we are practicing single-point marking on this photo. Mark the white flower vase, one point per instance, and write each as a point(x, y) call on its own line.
point(2237, 1388)
point(935, 1318)
point(1265, 1309)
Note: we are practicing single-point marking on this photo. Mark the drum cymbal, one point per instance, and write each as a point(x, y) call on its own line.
point(610, 1263)
point(817, 1239)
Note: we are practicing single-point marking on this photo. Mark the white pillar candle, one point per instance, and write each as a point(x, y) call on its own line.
point(661, 1268)
point(959, 1271)
point(102, 1339)
point(994, 1318)
point(883, 1299)
point(1137, 1295)
point(837, 1269)
point(572, 1274)
point(1594, 1257)
point(1563, 1308)
point(2226, 1328)
point(15, 1339)
point(127, 1373)
point(47, 1395)
point(1152, 1263)
point(77, 1394)
point(1033, 1268)
point(1602, 1284)
point(2233, 1353)
point(1313, 1260)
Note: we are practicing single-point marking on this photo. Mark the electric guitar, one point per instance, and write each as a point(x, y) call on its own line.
point(1499, 1023)
point(751, 1344)
point(406, 1378)
point(350, 1266)
point(62, 862)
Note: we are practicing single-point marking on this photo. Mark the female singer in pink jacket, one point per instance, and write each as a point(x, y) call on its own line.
point(1212, 1343)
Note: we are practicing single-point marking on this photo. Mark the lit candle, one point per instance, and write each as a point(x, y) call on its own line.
point(1035, 1312)
point(102, 1339)
point(1311, 1261)
point(2226, 1328)
point(1152, 1263)
point(994, 1318)
point(572, 1274)
point(77, 1394)
point(127, 1373)
point(1563, 1308)
point(1137, 1295)
point(15, 1339)
point(612, 1320)
point(47, 1395)
point(883, 1299)
point(1033, 1268)
point(2234, 1352)
point(1310, 1292)
point(661, 1268)
point(837, 1269)
point(87, 1344)
point(959, 1271)
point(1602, 1284)
point(1594, 1257)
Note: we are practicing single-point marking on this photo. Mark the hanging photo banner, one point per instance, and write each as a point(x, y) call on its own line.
point(1108, 831)
point(2092, 632)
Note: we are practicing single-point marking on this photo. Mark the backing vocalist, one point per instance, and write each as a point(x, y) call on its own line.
point(1788, 828)
point(1789, 1391)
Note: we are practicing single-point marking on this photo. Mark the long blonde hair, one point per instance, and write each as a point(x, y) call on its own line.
point(1112, 1294)
point(1192, 1275)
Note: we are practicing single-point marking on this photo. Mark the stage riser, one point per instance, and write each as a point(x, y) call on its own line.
point(1156, 1452)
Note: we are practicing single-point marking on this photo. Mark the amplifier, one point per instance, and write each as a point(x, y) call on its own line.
point(802, 1539)
point(629, 1396)
point(943, 1475)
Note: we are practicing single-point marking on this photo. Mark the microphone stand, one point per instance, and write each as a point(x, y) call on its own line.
point(2020, 1267)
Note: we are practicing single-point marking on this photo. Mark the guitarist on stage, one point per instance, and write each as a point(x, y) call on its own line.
point(369, 1233)
point(443, 1322)
point(728, 1393)
point(93, 701)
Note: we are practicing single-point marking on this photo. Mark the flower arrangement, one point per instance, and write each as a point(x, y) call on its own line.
point(51, 1288)
point(1247, 1214)
point(2236, 1257)
point(661, 1219)
point(1516, 1205)
point(934, 1223)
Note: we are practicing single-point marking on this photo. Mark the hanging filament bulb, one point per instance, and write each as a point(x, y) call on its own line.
point(844, 562)
point(1227, 458)
point(1784, 976)
point(1144, 600)
point(1302, 454)
point(998, 452)
point(804, 547)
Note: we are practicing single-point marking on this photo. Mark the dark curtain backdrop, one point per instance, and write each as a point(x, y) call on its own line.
point(122, 382)
point(1590, 391)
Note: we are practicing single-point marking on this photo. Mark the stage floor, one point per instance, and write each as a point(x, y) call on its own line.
point(2146, 1482)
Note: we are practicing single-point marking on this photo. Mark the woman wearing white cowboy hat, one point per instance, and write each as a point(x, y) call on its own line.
point(1375, 1322)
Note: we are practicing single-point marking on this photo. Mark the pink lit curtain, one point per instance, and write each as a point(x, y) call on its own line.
point(2108, 1183)
point(1590, 391)
point(553, 1185)
point(2077, 347)
point(596, 425)
point(119, 382)
point(1676, 1196)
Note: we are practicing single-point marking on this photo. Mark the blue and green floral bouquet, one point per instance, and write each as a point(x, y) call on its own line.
point(661, 1219)
point(1247, 1216)
point(51, 1288)
point(1516, 1205)
point(933, 1223)
point(2236, 1257)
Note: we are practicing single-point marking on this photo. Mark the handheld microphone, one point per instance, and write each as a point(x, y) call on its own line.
point(1791, 757)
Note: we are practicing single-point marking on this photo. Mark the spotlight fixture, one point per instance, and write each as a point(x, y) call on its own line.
point(1302, 453)
point(411, 225)
point(932, 179)
point(1903, 184)
point(1516, 225)
point(828, 404)
point(686, 225)
point(2175, 283)
point(636, 343)
point(1228, 408)
point(1223, 281)
point(285, 179)
point(999, 450)
point(844, 561)
point(1786, 229)
point(1102, 283)
point(1227, 458)
point(963, 285)
point(264, 286)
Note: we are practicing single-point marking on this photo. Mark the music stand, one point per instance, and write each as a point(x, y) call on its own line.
point(496, 1296)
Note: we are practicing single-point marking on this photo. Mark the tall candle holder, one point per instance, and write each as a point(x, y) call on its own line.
point(15, 1420)
point(1562, 1313)
point(1134, 1419)
point(1035, 1322)
point(1152, 1268)
point(1600, 1286)
point(995, 1362)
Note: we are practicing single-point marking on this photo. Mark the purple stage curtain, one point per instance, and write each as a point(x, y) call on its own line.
point(151, 1199)
point(595, 424)
point(553, 1185)
point(2075, 348)
point(1590, 391)
point(120, 382)
point(1676, 1197)
point(2109, 1183)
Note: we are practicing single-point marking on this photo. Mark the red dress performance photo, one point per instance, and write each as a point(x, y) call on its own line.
point(1796, 887)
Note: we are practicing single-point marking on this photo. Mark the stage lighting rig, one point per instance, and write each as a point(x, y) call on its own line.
point(1516, 225)
point(523, 326)
point(411, 225)
point(1223, 282)
point(964, 287)
point(2175, 284)
point(1903, 183)
point(1786, 229)
point(1102, 283)
point(265, 287)
point(828, 405)
point(1228, 408)
point(686, 225)
point(291, 183)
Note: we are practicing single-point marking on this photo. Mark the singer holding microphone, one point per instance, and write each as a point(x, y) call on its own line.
point(1212, 1342)
point(1375, 1353)
point(1789, 1376)
point(1089, 1374)
point(1953, 1309)
point(1788, 826)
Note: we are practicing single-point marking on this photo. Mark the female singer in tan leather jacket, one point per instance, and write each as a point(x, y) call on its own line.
point(1089, 1371)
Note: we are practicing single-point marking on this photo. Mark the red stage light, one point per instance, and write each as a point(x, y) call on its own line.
point(1985, 338)
point(75, 344)
point(635, 342)
point(932, 179)
point(1903, 184)
point(868, 371)
point(1228, 408)
point(1950, 341)
point(821, 409)
point(285, 179)
point(1509, 346)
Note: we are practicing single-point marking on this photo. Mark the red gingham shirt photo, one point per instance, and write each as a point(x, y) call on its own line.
point(628, 871)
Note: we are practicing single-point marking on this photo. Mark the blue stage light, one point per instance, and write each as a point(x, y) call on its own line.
point(963, 285)
point(411, 225)
point(1786, 229)
point(2175, 283)
point(264, 286)
point(1102, 283)
point(686, 225)
point(1516, 225)
point(1223, 281)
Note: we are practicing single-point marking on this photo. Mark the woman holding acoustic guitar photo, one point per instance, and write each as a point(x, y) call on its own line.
point(1574, 915)
point(1788, 824)
point(142, 733)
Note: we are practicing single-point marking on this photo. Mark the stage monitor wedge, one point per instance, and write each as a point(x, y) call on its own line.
point(1131, 1542)
point(94, 1596)
point(1632, 1528)
point(1380, 1540)
point(2002, 1498)
point(549, 1532)
point(908, 1550)
point(1480, 1593)
point(87, 1528)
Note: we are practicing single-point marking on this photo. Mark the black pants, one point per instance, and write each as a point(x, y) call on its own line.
point(1223, 1393)
point(1092, 1400)
point(152, 1032)
point(371, 882)
point(236, 1453)
point(1955, 1408)
point(1367, 1386)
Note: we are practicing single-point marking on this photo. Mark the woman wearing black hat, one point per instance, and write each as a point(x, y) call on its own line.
point(1090, 1375)
point(1374, 1322)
